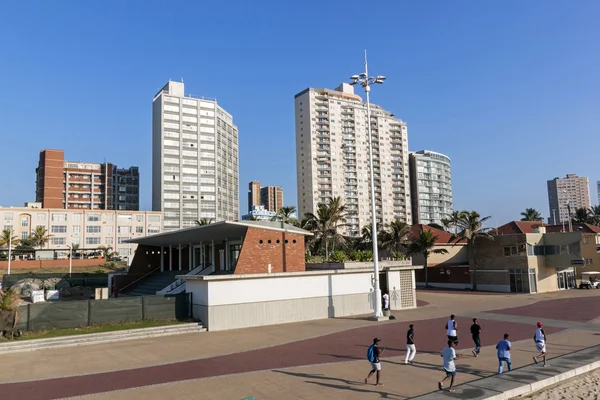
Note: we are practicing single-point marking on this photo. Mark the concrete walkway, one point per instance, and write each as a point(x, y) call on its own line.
point(313, 360)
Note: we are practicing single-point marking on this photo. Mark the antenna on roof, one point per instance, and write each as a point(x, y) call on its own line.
point(181, 80)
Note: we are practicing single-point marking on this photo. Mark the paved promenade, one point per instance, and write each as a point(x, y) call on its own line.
point(312, 360)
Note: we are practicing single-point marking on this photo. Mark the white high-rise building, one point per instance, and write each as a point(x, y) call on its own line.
point(332, 157)
point(565, 195)
point(431, 187)
point(194, 159)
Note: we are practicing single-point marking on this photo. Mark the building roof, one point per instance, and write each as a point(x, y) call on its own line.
point(519, 227)
point(443, 237)
point(217, 231)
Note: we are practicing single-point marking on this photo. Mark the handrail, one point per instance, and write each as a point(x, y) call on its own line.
point(139, 279)
point(181, 281)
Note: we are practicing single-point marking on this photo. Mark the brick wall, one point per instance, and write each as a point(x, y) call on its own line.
point(51, 263)
point(284, 257)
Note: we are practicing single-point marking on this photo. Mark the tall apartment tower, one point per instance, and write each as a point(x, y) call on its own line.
point(253, 195)
point(430, 187)
point(571, 192)
point(194, 159)
point(332, 157)
point(271, 197)
point(93, 186)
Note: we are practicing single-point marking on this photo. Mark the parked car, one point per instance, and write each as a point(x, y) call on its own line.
point(590, 280)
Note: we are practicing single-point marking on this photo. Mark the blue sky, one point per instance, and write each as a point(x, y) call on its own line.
point(510, 90)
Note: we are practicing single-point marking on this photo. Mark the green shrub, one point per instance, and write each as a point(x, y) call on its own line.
point(338, 256)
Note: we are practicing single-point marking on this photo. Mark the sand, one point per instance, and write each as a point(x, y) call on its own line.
point(586, 386)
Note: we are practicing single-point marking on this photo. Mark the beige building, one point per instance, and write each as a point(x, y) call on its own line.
point(88, 229)
point(194, 159)
point(332, 156)
point(566, 195)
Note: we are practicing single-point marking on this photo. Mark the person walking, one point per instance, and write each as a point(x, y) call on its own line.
point(503, 352)
point(540, 343)
point(373, 356)
point(449, 355)
point(475, 332)
point(451, 329)
point(411, 350)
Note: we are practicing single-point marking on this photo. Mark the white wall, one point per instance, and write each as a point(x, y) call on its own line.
point(236, 301)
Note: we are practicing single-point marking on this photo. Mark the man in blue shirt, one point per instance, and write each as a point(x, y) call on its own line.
point(373, 354)
point(503, 348)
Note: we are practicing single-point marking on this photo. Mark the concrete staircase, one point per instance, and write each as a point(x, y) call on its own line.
point(154, 283)
point(18, 346)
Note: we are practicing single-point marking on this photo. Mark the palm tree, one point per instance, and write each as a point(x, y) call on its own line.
point(7, 238)
point(424, 244)
point(450, 223)
point(595, 215)
point(394, 238)
point(469, 226)
point(204, 221)
point(285, 214)
point(107, 252)
point(366, 237)
point(582, 216)
point(531, 214)
point(325, 223)
point(40, 236)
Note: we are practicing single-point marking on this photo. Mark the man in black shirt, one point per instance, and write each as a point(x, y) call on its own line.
point(411, 350)
point(475, 331)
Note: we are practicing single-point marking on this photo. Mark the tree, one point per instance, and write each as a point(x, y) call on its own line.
point(424, 244)
point(204, 221)
point(107, 252)
point(582, 216)
point(595, 215)
point(394, 238)
point(366, 238)
point(285, 214)
point(531, 214)
point(6, 237)
point(325, 223)
point(469, 228)
point(451, 222)
point(40, 236)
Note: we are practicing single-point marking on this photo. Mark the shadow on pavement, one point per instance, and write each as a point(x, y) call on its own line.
point(350, 385)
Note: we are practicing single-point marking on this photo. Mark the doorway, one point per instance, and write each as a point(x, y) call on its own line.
point(565, 278)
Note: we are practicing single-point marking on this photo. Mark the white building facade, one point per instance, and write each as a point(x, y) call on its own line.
point(88, 229)
point(565, 195)
point(431, 187)
point(332, 157)
point(195, 171)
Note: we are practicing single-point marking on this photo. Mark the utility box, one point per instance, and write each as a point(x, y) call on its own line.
point(52, 295)
point(101, 293)
point(37, 296)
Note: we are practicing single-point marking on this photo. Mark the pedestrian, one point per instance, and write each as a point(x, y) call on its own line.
point(451, 329)
point(386, 301)
point(373, 356)
point(475, 331)
point(503, 352)
point(540, 344)
point(411, 350)
point(449, 355)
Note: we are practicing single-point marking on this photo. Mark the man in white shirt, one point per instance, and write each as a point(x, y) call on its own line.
point(386, 301)
point(540, 343)
point(451, 329)
point(449, 355)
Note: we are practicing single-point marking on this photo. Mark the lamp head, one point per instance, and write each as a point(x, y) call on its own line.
point(354, 77)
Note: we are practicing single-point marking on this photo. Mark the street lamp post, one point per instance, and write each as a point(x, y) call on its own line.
point(10, 233)
point(366, 81)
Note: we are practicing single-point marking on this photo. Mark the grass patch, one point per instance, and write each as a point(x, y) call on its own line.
point(121, 326)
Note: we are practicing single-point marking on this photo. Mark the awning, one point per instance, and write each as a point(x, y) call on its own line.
point(218, 231)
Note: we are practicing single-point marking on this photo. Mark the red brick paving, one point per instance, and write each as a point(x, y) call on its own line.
point(581, 309)
point(430, 336)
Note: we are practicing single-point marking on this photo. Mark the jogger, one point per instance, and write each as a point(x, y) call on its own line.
point(540, 343)
point(449, 355)
point(503, 348)
point(475, 332)
point(373, 357)
point(411, 350)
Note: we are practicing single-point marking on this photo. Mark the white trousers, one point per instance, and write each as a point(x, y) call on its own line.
point(411, 350)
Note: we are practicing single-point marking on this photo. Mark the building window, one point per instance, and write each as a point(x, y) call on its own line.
point(585, 240)
point(124, 229)
point(93, 217)
point(108, 240)
point(139, 218)
point(24, 222)
point(77, 217)
point(108, 229)
point(24, 235)
point(59, 217)
point(8, 227)
point(139, 229)
point(76, 229)
point(122, 239)
point(8, 217)
point(153, 218)
point(59, 229)
point(92, 240)
point(153, 229)
point(59, 241)
point(93, 229)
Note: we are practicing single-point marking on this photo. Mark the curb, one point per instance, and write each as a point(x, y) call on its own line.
point(525, 380)
point(10, 347)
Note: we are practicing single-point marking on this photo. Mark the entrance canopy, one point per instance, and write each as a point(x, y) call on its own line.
point(218, 231)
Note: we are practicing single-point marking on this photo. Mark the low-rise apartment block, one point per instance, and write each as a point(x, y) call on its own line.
point(87, 229)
